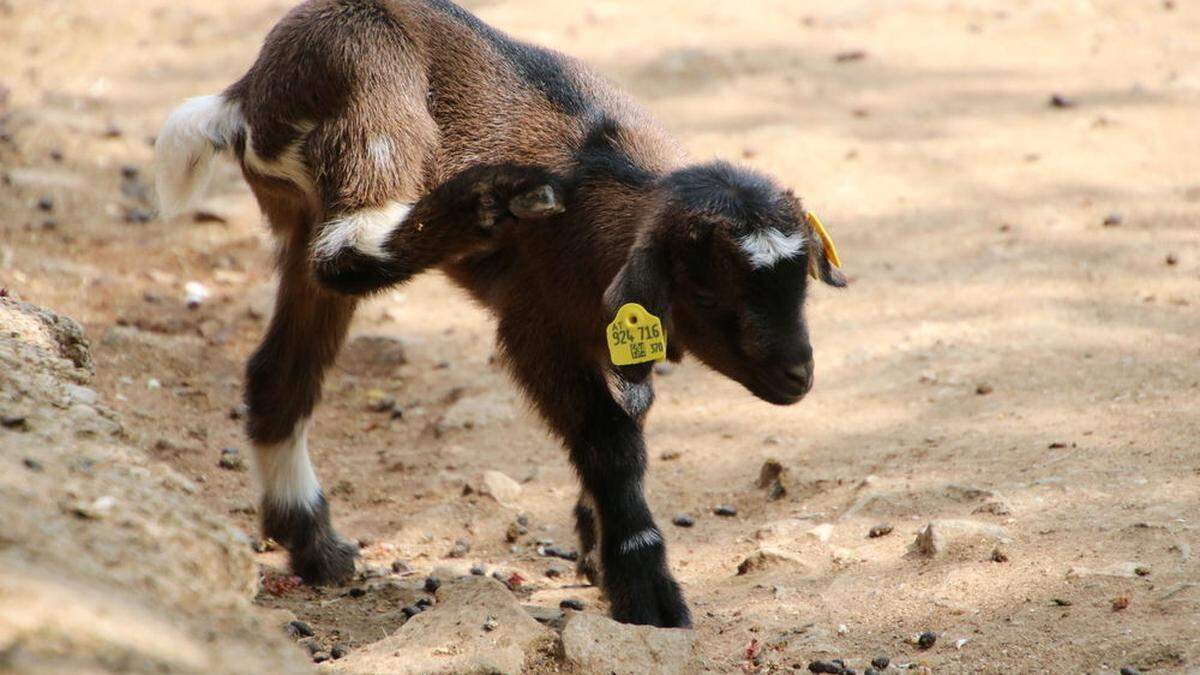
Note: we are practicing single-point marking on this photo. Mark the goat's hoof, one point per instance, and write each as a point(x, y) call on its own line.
point(653, 600)
point(540, 202)
point(325, 561)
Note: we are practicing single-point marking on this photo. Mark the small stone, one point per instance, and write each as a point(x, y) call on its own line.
point(195, 293)
point(1172, 259)
point(554, 572)
point(478, 570)
point(32, 464)
point(1061, 602)
point(138, 215)
point(460, 549)
point(683, 520)
point(432, 584)
point(881, 530)
point(850, 55)
point(424, 603)
point(670, 455)
point(1141, 571)
point(320, 657)
point(231, 460)
point(983, 389)
point(380, 401)
point(1060, 101)
point(238, 411)
point(514, 532)
point(500, 486)
point(400, 567)
point(339, 651)
point(927, 639)
point(571, 603)
point(1113, 219)
point(555, 552)
point(999, 555)
point(15, 422)
point(45, 204)
point(357, 592)
point(411, 611)
point(1130, 670)
point(881, 662)
point(824, 667)
point(299, 628)
point(725, 511)
point(490, 623)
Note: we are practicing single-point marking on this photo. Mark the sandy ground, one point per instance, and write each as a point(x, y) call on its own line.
point(1001, 356)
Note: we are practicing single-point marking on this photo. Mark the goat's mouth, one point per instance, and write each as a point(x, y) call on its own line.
point(777, 387)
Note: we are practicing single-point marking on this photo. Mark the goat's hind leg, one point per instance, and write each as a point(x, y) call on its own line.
point(283, 385)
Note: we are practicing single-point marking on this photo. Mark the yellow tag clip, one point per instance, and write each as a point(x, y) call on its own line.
point(636, 336)
point(826, 243)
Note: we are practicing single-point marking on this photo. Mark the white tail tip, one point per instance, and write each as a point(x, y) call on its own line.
point(186, 146)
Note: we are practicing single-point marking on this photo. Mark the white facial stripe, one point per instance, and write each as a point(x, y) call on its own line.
point(768, 246)
point(647, 537)
point(366, 230)
point(285, 471)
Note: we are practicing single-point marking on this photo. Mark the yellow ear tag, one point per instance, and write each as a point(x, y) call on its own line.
point(636, 336)
point(826, 242)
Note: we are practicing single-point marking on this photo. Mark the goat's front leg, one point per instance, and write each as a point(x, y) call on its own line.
point(462, 215)
point(606, 446)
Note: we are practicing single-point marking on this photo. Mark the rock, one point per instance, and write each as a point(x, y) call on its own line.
point(940, 535)
point(1113, 219)
point(999, 555)
point(231, 460)
point(983, 389)
point(683, 520)
point(822, 533)
point(432, 584)
point(460, 549)
point(768, 558)
point(339, 651)
point(299, 629)
point(451, 637)
point(996, 507)
point(373, 355)
point(380, 401)
point(725, 511)
point(597, 644)
point(471, 412)
point(499, 486)
point(1060, 101)
point(881, 530)
point(571, 603)
point(195, 293)
point(547, 616)
point(881, 662)
point(926, 640)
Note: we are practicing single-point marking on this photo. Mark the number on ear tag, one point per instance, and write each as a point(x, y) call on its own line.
point(826, 242)
point(636, 336)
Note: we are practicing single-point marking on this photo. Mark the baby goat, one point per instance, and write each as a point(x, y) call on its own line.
point(383, 138)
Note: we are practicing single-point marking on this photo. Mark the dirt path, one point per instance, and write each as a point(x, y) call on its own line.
point(1002, 355)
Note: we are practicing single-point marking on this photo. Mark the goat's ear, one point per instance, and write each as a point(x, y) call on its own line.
point(644, 279)
point(822, 255)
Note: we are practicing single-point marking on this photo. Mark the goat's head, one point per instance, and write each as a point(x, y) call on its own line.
point(724, 260)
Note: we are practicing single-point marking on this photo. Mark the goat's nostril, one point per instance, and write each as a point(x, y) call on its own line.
point(802, 372)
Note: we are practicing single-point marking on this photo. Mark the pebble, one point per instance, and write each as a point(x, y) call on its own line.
point(195, 293)
point(130, 172)
point(999, 555)
point(881, 530)
point(299, 629)
point(683, 520)
point(432, 584)
point(1060, 101)
point(45, 204)
point(825, 667)
point(927, 639)
point(983, 389)
point(17, 422)
point(380, 401)
point(320, 657)
point(881, 662)
point(138, 215)
point(490, 623)
point(411, 611)
point(32, 464)
point(339, 651)
point(400, 567)
point(725, 511)
point(555, 552)
point(1130, 670)
point(357, 592)
point(461, 548)
point(871, 671)
point(477, 570)
point(231, 460)
point(571, 603)
point(1172, 259)
point(424, 603)
point(1113, 219)
point(554, 572)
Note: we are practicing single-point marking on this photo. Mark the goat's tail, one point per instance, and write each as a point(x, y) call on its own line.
point(191, 138)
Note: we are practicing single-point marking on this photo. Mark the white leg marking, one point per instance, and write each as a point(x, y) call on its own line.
point(289, 165)
point(365, 230)
point(285, 471)
point(768, 246)
point(642, 539)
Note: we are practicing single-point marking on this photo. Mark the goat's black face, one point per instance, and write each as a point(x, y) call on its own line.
point(735, 258)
